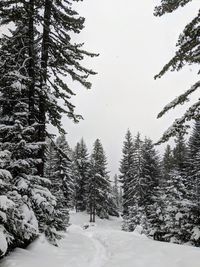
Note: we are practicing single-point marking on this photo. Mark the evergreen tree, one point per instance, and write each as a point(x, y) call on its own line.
point(35, 57)
point(116, 193)
point(58, 171)
point(126, 170)
point(112, 208)
point(136, 185)
point(194, 160)
point(98, 187)
point(177, 214)
point(194, 140)
point(134, 188)
point(143, 188)
point(186, 54)
point(17, 137)
point(177, 208)
point(18, 224)
point(151, 168)
point(51, 158)
point(63, 170)
point(59, 57)
point(180, 154)
point(120, 198)
point(167, 162)
point(81, 175)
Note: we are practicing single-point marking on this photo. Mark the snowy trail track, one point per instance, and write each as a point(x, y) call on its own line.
point(103, 245)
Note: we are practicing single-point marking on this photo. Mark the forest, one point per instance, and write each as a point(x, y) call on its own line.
point(47, 185)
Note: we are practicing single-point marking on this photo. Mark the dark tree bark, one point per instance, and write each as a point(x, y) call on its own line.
point(31, 67)
point(42, 96)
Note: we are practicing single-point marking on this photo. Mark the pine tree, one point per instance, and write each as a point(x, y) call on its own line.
point(186, 54)
point(35, 58)
point(180, 154)
point(178, 218)
point(50, 160)
point(143, 188)
point(116, 193)
point(98, 187)
point(17, 137)
point(194, 160)
point(194, 143)
point(58, 171)
point(136, 186)
point(59, 57)
point(112, 207)
point(177, 208)
point(63, 170)
point(56, 56)
point(193, 181)
point(81, 175)
point(18, 224)
point(151, 169)
point(167, 162)
point(126, 170)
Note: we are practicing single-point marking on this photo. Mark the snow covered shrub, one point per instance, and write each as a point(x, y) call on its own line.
point(133, 219)
point(18, 224)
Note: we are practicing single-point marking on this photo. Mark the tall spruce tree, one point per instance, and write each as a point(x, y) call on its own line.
point(17, 137)
point(60, 57)
point(50, 160)
point(167, 162)
point(35, 58)
point(126, 170)
point(51, 56)
point(186, 54)
point(180, 154)
point(194, 160)
point(143, 188)
point(151, 170)
point(63, 172)
point(136, 186)
point(116, 192)
point(81, 175)
point(58, 171)
point(98, 187)
point(177, 209)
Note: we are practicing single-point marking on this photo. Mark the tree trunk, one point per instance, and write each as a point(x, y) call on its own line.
point(43, 81)
point(90, 212)
point(31, 67)
point(94, 211)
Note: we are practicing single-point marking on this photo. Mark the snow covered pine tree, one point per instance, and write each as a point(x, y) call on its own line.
point(81, 167)
point(142, 186)
point(100, 200)
point(38, 47)
point(126, 171)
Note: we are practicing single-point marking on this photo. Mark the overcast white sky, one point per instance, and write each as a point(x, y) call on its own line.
point(133, 47)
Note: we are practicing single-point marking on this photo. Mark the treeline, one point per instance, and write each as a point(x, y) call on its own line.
point(37, 59)
point(73, 180)
point(162, 194)
point(81, 181)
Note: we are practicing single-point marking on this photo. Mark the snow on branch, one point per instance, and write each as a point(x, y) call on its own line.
point(179, 126)
point(168, 6)
point(179, 100)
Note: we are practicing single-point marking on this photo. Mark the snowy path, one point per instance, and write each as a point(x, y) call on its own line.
point(103, 245)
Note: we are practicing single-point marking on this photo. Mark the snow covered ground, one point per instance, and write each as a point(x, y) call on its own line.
point(102, 245)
